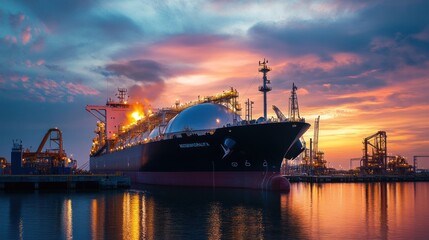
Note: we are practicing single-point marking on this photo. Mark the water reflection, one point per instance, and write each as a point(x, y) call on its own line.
point(68, 219)
point(153, 213)
point(363, 211)
point(323, 211)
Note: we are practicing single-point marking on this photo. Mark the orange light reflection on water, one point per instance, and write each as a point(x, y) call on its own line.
point(68, 218)
point(367, 211)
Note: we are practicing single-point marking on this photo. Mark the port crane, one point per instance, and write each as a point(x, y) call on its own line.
point(57, 154)
point(46, 159)
point(279, 113)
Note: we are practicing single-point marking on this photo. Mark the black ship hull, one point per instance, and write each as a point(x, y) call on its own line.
point(247, 156)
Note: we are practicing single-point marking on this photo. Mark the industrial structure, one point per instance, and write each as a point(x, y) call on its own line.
point(415, 169)
point(375, 159)
point(318, 162)
point(4, 165)
point(52, 160)
point(293, 104)
point(312, 160)
point(398, 165)
point(263, 68)
point(249, 110)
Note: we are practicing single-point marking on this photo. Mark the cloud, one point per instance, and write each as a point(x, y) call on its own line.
point(40, 62)
point(54, 67)
point(149, 91)
point(79, 89)
point(31, 88)
point(390, 26)
point(26, 35)
point(55, 14)
point(15, 20)
point(38, 44)
point(141, 70)
point(24, 78)
point(114, 27)
point(9, 39)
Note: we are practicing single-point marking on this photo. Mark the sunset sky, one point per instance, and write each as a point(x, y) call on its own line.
point(363, 66)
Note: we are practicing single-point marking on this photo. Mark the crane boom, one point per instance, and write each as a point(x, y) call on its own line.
point(279, 113)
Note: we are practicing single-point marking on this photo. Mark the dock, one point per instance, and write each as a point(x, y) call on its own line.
point(357, 178)
point(63, 182)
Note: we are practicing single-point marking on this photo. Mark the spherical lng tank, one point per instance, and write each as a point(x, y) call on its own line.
point(205, 116)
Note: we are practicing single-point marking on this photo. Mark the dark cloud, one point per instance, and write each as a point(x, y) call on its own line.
point(390, 20)
point(294, 39)
point(15, 20)
point(139, 70)
point(343, 75)
point(147, 91)
point(384, 36)
point(115, 27)
point(192, 40)
point(76, 21)
point(54, 67)
point(54, 13)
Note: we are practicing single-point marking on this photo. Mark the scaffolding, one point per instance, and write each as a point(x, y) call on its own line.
point(375, 153)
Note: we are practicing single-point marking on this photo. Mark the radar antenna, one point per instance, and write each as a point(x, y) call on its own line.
point(122, 95)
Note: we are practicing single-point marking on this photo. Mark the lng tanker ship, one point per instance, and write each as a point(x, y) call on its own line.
point(201, 143)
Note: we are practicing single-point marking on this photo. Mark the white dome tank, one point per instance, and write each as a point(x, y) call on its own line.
point(203, 116)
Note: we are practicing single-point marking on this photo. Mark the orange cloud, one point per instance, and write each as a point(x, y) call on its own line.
point(26, 35)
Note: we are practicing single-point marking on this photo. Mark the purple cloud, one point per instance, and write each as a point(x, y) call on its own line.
point(141, 70)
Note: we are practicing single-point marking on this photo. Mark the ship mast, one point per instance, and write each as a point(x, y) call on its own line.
point(263, 68)
point(122, 95)
point(293, 105)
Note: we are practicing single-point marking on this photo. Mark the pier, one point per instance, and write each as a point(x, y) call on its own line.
point(63, 182)
point(357, 178)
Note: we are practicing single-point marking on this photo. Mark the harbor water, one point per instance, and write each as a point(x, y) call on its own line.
point(309, 211)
